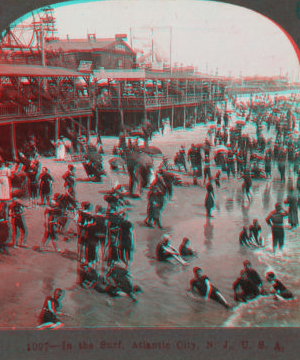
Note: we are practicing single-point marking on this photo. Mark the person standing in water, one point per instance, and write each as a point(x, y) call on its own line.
point(209, 199)
point(293, 203)
point(276, 221)
point(16, 210)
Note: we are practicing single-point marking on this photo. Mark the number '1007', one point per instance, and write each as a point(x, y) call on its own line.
point(37, 347)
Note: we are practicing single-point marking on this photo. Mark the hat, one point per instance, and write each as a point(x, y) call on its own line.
point(100, 209)
point(270, 275)
point(86, 205)
point(196, 269)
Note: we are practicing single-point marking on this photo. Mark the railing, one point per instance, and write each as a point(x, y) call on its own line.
point(44, 108)
point(153, 102)
point(8, 110)
point(260, 90)
point(158, 101)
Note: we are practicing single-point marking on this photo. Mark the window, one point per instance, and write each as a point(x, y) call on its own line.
point(120, 47)
point(120, 64)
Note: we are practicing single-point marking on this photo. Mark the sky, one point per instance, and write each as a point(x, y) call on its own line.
point(209, 35)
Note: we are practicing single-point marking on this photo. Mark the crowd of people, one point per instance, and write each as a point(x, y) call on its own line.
point(106, 238)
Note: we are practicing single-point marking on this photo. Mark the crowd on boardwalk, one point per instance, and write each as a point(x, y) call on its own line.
point(106, 236)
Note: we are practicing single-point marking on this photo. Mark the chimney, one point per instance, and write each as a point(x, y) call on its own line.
point(92, 37)
point(121, 37)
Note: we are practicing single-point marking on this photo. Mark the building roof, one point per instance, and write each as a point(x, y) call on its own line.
point(76, 45)
point(38, 71)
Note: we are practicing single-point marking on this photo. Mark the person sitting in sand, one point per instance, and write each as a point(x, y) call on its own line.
point(255, 234)
point(185, 250)
point(165, 251)
point(253, 276)
point(244, 289)
point(202, 286)
point(279, 290)
point(49, 315)
point(246, 240)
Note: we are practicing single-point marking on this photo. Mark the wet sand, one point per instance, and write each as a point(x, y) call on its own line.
point(28, 276)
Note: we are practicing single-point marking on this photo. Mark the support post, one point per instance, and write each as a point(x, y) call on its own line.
point(122, 118)
point(39, 94)
point(88, 126)
point(168, 92)
point(186, 90)
point(43, 44)
point(57, 129)
point(80, 127)
point(120, 93)
point(18, 79)
point(13, 142)
point(145, 94)
point(184, 115)
point(172, 119)
point(56, 134)
point(158, 119)
point(96, 120)
point(74, 93)
point(215, 110)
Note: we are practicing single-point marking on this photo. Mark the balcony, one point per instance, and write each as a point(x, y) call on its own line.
point(47, 109)
point(153, 102)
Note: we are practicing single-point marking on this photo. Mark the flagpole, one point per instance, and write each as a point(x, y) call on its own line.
point(152, 46)
point(171, 50)
point(130, 38)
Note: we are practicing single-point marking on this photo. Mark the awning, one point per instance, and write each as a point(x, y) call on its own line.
point(37, 71)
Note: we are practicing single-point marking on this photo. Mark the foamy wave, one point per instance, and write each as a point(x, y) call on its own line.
point(244, 314)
